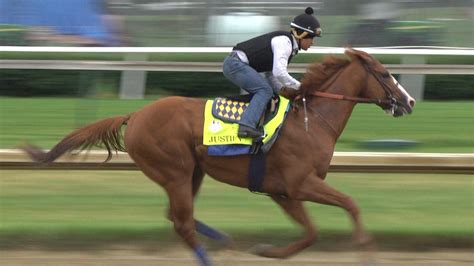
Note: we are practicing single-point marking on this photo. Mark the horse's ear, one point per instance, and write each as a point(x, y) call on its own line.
point(356, 54)
point(351, 53)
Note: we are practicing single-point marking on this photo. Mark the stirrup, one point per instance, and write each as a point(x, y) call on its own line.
point(249, 132)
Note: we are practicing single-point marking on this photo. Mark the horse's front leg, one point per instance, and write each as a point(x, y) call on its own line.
point(316, 190)
point(297, 212)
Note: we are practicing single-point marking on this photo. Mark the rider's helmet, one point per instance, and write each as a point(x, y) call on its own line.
point(306, 25)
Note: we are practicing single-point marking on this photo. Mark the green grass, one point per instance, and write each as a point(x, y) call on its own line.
point(437, 126)
point(61, 208)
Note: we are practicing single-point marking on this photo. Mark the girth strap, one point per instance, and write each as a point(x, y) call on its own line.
point(256, 172)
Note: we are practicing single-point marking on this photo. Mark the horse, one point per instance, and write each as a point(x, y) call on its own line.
point(165, 140)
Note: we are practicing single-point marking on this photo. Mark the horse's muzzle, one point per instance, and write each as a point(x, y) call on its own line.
point(402, 108)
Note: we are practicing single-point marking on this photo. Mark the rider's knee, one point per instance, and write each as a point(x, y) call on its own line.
point(267, 92)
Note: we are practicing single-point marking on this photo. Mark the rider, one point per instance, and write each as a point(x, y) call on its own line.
point(269, 53)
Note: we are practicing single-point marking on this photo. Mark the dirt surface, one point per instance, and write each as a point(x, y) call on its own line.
point(181, 256)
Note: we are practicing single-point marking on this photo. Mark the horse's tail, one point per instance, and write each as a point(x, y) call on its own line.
point(107, 132)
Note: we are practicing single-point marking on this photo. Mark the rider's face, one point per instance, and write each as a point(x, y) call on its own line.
point(306, 43)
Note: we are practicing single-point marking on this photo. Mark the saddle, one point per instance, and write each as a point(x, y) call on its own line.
point(221, 125)
point(230, 109)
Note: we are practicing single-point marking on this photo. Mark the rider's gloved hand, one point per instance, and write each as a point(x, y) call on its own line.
point(289, 93)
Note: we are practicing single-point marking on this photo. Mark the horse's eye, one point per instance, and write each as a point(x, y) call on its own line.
point(385, 74)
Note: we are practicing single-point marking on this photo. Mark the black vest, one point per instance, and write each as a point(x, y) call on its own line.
point(259, 50)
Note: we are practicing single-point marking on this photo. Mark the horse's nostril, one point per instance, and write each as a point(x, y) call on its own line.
point(412, 103)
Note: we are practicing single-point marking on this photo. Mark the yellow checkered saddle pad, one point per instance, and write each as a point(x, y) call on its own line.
point(220, 115)
point(230, 109)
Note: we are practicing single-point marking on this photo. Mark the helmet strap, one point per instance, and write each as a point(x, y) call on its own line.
point(299, 36)
point(298, 41)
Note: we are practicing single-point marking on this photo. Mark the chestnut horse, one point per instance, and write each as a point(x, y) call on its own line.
point(165, 139)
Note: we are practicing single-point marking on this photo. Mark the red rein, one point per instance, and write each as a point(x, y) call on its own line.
point(346, 98)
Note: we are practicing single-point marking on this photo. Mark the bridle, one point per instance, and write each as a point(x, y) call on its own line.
point(389, 99)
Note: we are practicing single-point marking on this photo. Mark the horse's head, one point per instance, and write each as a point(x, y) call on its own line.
point(380, 84)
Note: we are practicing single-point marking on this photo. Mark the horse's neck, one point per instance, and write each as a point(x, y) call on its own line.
point(336, 113)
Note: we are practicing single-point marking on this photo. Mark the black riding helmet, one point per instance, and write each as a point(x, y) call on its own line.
point(306, 25)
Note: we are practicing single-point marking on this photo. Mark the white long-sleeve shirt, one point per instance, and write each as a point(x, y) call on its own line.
point(282, 49)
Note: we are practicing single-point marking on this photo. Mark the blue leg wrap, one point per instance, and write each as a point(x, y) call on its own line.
point(202, 256)
point(209, 232)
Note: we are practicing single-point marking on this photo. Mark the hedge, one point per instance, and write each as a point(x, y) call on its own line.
point(25, 83)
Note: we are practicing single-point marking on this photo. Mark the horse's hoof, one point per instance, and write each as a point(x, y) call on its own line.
point(261, 249)
point(227, 241)
point(365, 241)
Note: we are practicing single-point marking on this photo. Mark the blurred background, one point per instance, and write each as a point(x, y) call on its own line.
point(152, 23)
point(223, 23)
point(89, 210)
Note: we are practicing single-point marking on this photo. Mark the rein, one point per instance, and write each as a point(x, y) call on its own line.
point(389, 100)
point(350, 98)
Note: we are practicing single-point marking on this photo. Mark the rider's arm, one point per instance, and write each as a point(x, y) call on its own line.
point(282, 48)
point(274, 82)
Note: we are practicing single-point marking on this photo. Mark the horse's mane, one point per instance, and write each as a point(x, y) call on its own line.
point(318, 73)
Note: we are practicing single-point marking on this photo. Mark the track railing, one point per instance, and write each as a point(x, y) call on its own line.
point(403, 68)
point(365, 162)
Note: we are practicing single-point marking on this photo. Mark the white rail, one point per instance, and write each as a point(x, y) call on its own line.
point(133, 77)
point(315, 50)
point(216, 67)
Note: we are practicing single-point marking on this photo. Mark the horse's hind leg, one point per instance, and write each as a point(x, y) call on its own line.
point(175, 176)
point(201, 227)
point(316, 190)
point(181, 211)
point(297, 212)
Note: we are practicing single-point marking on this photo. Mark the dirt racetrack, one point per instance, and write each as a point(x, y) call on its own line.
point(180, 256)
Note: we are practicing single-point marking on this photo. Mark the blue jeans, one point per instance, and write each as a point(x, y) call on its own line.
point(247, 78)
